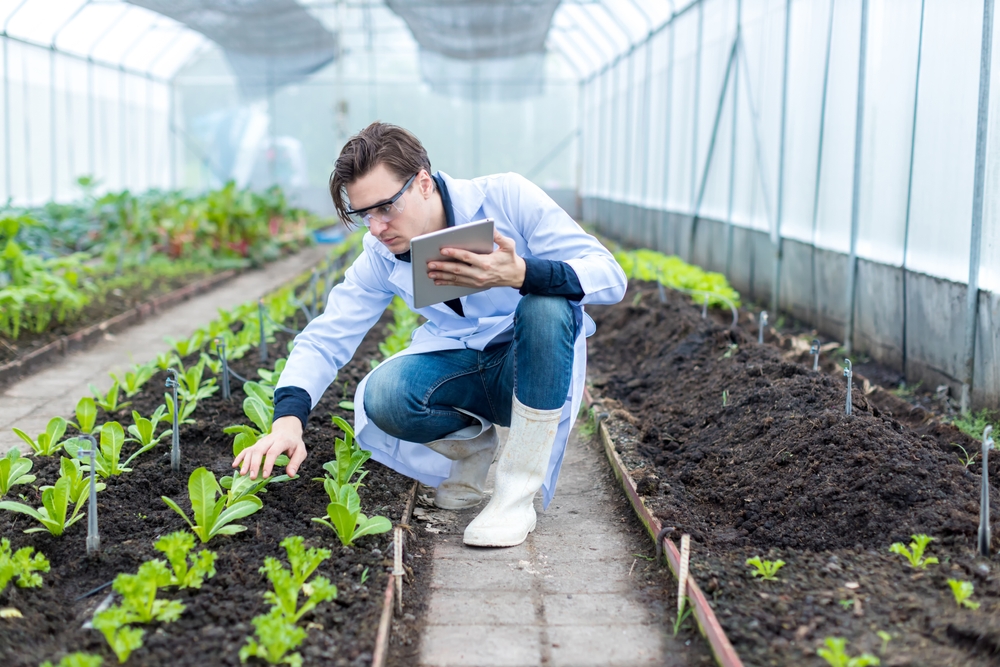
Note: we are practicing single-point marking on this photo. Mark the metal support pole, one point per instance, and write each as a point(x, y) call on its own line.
point(91, 157)
point(53, 164)
point(612, 180)
point(27, 133)
point(758, 149)
point(646, 118)
point(123, 135)
point(694, 128)
point(732, 148)
point(7, 152)
point(975, 241)
point(776, 239)
point(852, 265)
point(909, 182)
point(669, 120)
point(171, 135)
point(627, 147)
point(819, 163)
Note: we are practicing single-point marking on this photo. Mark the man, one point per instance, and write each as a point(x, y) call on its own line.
point(514, 354)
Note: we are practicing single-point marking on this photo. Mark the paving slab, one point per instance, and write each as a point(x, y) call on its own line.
point(565, 597)
point(55, 390)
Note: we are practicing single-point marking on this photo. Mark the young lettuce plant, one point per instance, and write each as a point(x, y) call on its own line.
point(275, 637)
point(193, 386)
point(962, 590)
point(134, 379)
point(211, 516)
point(86, 416)
point(77, 659)
point(113, 624)
point(48, 443)
point(79, 484)
point(835, 653)
point(765, 569)
point(14, 469)
point(21, 564)
point(344, 517)
point(348, 462)
point(258, 406)
point(54, 515)
point(107, 459)
point(177, 547)
point(270, 378)
point(142, 431)
point(187, 346)
point(288, 582)
point(138, 593)
point(241, 486)
point(915, 554)
point(109, 401)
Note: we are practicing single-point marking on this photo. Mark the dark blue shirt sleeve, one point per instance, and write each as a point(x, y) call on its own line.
point(292, 401)
point(549, 277)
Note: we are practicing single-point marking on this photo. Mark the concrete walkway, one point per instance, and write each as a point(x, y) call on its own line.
point(32, 401)
point(565, 597)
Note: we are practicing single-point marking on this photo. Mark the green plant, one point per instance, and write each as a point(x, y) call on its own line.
point(730, 351)
point(725, 397)
point(258, 406)
point(109, 401)
point(974, 423)
point(54, 510)
point(187, 409)
point(165, 360)
point(364, 576)
point(275, 637)
point(270, 378)
point(835, 653)
point(176, 547)
point(142, 430)
point(288, 582)
point(86, 416)
point(886, 638)
point(76, 660)
point(138, 593)
point(133, 380)
point(79, 485)
point(906, 391)
point(241, 486)
point(187, 346)
point(636, 299)
point(846, 603)
point(21, 564)
point(404, 321)
point(348, 462)
point(122, 639)
point(192, 386)
point(966, 458)
point(107, 458)
point(962, 590)
point(14, 470)
point(344, 517)
point(685, 612)
point(211, 516)
point(915, 554)
point(765, 569)
point(48, 443)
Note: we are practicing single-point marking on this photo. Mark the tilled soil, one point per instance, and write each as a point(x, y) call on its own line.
point(216, 622)
point(747, 449)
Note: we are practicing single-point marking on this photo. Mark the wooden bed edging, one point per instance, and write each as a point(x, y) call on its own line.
point(725, 655)
point(390, 600)
point(84, 338)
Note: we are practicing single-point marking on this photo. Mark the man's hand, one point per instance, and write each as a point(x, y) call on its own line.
point(285, 436)
point(501, 268)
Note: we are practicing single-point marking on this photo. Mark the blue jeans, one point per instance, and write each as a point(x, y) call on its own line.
point(413, 397)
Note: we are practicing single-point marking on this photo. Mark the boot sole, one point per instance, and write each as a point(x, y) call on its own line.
point(500, 543)
point(456, 506)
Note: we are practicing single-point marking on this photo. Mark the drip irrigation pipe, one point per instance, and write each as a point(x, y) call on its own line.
point(395, 581)
point(94, 591)
point(722, 649)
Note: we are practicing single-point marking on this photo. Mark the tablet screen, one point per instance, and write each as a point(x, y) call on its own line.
point(475, 237)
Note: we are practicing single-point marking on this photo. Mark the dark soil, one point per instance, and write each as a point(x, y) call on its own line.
point(775, 468)
point(113, 303)
point(217, 619)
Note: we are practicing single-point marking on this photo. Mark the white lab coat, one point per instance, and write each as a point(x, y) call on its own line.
point(521, 211)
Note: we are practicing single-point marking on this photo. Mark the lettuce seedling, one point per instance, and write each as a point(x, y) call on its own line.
point(165, 360)
point(258, 406)
point(107, 459)
point(211, 516)
point(212, 364)
point(765, 569)
point(187, 346)
point(241, 486)
point(134, 379)
point(76, 660)
point(348, 462)
point(270, 378)
point(138, 593)
point(285, 596)
point(48, 443)
point(835, 654)
point(109, 401)
point(142, 430)
point(21, 564)
point(55, 508)
point(122, 639)
point(192, 387)
point(276, 636)
point(915, 554)
point(79, 487)
point(14, 470)
point(962, 590)
point(86, 415)
point(187, 409)
point(176, 547)
point(346, 519)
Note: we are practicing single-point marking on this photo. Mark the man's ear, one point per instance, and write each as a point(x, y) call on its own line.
point(426, 184)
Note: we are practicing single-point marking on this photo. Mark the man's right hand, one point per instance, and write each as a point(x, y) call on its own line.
point(285, 436)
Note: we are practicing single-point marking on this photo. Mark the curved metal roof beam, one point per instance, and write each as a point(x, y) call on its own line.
point(65, 23)
point(11, 15)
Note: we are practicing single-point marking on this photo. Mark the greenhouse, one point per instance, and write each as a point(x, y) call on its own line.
point(499, 333)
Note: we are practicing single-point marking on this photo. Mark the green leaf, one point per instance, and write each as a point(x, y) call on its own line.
point(238, 510)
point(202, 489)
point(257, 411)
point(371, 526)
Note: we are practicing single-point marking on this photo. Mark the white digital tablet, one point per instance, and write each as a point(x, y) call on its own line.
point(475, 237)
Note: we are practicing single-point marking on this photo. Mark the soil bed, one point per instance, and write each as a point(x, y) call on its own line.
point(217, 619)
point(750, 452)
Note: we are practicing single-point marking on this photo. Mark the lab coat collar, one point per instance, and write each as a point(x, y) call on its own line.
point(467, 197)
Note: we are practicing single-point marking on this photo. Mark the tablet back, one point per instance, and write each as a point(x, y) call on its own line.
point(475, 237)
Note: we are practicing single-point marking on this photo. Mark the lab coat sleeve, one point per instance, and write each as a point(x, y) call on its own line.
point(329, 341)
point(551, 233)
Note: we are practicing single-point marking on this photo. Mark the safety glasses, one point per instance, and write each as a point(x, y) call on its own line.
point(385, 211)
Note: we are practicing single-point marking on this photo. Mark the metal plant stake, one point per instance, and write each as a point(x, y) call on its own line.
point(849, 374)
point(984, 496)
point(704, 308)
point(763, 323)
point(814, 351)
point(263, 340)
point(220, 345)
point(175, 446)
point(659, 286)
point(93, 537)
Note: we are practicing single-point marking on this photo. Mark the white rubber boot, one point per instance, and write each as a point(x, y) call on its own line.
point(471, 451)
point(510, 514)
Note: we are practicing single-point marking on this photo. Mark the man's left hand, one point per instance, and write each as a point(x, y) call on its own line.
point(501, 268)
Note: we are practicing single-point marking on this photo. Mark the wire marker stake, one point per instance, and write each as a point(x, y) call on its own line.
point(175, 445)
point(984, 497)
point(659, 286)
point(704, 308)
point(761, 325)
point(849, 374)
point(397, 567)
point(683, 573)
point(93, 536)
point(220, 345)
point(263, 337)
point(814, 351)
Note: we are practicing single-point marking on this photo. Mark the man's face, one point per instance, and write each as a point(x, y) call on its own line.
point(390, 225)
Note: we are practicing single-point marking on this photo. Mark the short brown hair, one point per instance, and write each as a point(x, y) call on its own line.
point(379, 143)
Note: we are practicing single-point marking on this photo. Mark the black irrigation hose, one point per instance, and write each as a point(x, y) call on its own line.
point(280, 327)
point(666, 530)
point(96, 590)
